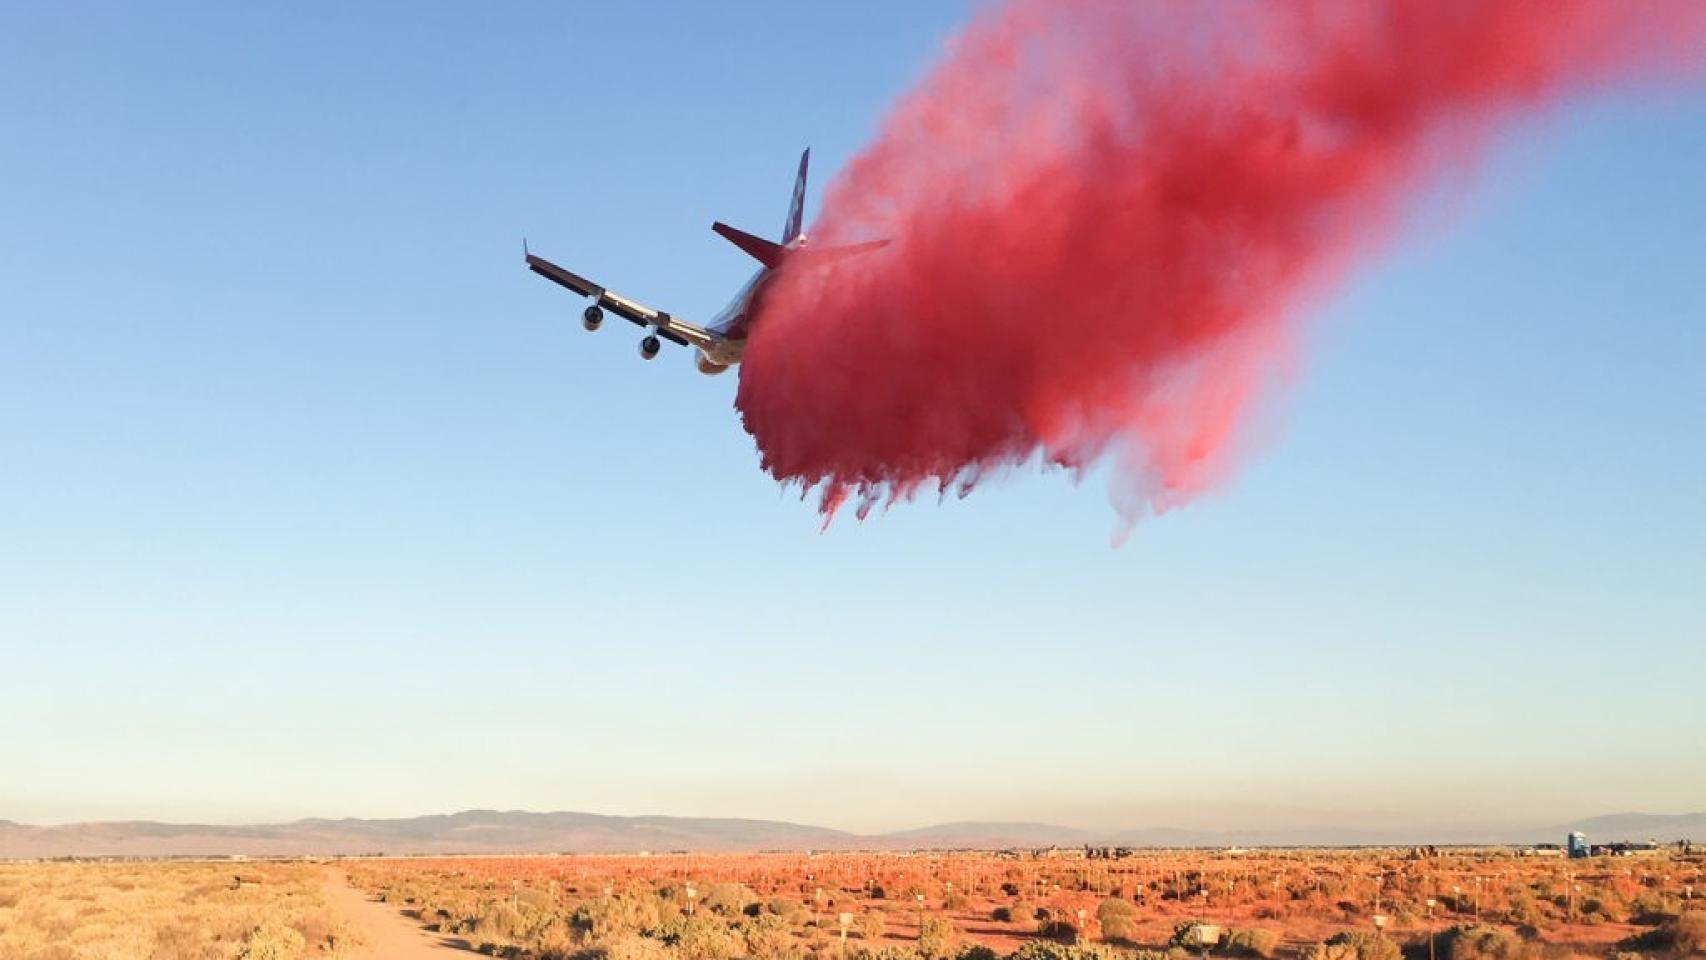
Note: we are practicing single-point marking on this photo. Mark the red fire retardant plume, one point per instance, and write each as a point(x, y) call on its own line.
point(1107, 215)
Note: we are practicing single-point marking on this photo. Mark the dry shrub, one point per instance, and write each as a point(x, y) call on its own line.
point(728, 899)
point(1355, 945)
point(634, 947)
point(323, 931)
point(1484, 943)
point(702, 937)
point(767, 936)
point(1050, 950)
point(272, 941)
point(887, 953)
point(557, 940)
point(1022, 913)
point(1252, 942)
point(1118, 919)
point(1688, 932)
point(180, 940)
point(938, 938)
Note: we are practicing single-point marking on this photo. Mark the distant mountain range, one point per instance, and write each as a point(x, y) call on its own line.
point(491, 831)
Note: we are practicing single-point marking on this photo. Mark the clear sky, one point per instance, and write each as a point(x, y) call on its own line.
point(313, 501)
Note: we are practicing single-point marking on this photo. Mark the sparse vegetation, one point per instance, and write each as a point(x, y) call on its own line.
point(1683, 935)
point(1118, 919)
point(1267, 906)
point(1251, 942)
point(1356, 945)
point(166, 911)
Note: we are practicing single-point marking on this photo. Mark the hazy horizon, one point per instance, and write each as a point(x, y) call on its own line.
point(1267, 824)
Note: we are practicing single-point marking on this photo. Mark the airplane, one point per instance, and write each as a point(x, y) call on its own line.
point(719, 344)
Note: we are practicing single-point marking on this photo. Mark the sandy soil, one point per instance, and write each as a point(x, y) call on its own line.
point(387, 934)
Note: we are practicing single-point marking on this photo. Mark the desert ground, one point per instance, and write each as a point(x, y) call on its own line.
point(1293, 905)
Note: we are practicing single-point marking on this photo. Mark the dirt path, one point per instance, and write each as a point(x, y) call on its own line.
point(385, 933)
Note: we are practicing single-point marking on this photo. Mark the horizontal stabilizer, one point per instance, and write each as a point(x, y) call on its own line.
point(758, 248)
point(823, 256)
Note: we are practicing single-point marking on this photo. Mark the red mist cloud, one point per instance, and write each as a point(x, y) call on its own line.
point(1108, 215)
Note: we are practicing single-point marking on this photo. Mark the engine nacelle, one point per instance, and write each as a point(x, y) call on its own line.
point(649, 347)
point(707, 367)
point(592, 318)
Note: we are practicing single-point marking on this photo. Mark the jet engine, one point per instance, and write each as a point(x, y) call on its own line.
point(708, 368)
point(592, 317)
point(649, 348)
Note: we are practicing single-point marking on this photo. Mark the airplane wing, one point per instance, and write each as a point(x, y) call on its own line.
point(633, 311)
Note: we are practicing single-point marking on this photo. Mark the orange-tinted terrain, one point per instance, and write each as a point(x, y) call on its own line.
point(1320, 904)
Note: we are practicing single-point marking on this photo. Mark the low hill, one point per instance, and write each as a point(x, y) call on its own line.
point(515, 831)
point(471, 831)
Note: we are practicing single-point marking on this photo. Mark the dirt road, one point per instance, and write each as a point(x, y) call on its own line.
point(385, 933)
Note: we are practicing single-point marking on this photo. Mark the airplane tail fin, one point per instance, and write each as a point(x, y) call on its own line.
point(772, 254)
point(758, 248)
point(797, 204)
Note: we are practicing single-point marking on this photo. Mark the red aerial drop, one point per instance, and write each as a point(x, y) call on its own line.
point(1107, 216)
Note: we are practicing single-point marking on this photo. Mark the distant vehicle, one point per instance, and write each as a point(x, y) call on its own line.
point(1577, 845)
point(721, 342)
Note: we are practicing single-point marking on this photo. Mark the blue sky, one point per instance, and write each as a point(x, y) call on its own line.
point(314, 502)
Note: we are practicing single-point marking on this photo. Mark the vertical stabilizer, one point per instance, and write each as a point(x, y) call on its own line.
point(797, 205)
